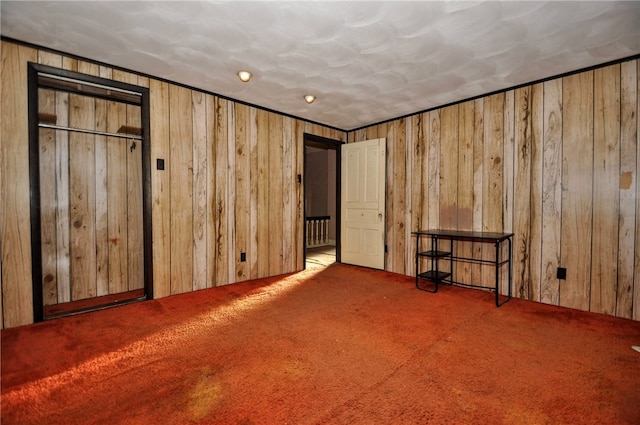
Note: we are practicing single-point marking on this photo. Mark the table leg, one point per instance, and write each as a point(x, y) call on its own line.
point(417, 258)
point(434, 260)
point(510, 275)
point(497, 265)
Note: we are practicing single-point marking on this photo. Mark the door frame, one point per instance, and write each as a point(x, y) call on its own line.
point(34, 174)
point(312, 140)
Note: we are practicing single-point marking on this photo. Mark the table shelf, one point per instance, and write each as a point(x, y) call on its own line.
point(434, 275)
point(435, 254)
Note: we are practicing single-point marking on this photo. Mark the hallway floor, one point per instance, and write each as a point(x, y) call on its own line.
point(320, 256)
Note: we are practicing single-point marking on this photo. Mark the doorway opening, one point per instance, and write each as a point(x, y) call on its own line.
point(90, 181)
point(321, 201)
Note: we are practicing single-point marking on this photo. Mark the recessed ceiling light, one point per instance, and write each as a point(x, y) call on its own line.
point(309, 98)
point(244, 76)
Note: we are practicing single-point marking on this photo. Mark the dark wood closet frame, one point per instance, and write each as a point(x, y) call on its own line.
point(320, 142)
point(34, 71)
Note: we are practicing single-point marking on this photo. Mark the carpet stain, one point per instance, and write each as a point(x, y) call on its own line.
point(290, 370)
point(464, 400)
point(206, 395)
point(526, 416)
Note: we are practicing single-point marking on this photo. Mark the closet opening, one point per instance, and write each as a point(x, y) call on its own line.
point(90, 188)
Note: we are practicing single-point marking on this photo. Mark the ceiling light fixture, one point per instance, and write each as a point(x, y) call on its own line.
point(309, 98)
point(244, 76)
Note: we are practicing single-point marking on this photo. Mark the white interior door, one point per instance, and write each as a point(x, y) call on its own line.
point(363, 203)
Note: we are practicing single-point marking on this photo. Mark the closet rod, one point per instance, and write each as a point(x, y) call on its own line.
point(99, 133)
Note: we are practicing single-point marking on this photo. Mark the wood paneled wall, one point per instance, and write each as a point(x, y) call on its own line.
point(229, 185)
point(557, 163)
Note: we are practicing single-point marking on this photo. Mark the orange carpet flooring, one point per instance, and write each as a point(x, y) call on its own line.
point(341, 345)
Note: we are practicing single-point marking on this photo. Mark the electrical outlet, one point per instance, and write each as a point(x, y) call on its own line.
point(243, 257)
point(562, 273)
point(159, 164)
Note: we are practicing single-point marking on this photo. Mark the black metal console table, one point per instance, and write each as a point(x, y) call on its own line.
point(435, 254)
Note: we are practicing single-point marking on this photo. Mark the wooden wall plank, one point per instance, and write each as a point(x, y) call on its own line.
point(466, 122)
point(82, 198)
point(577, 202)
point(242, 174)
point(106, 72)
point(124, 76)
point(478, 187)
point(288, 186)
point(49, 58)
point(102, 206)
point(16, 226)
point(70, 64)
point(275, 194)
point(102, 198)
point(135, 203)
point(47, 162)
point(537, 119)
point(425, 164)
point(263, 193)
point(336, 135)
point(252, 254)
point(429, 155)
point(143, 81)
point(360, 135)
point(628, 182)
point(466, 118)
point(63, 231)
point(160, 188)
point(298, 212)
point(117, 216)
point(399, 147)
point(409, 263)
point(46, 147)
point(636, 280)
point(448, 174)
point(448, 192)
point(234, 255)
point(606, 193)
point(493, 154)
point(508, 173)
point(418, 170)
point(551, 191)
point(509, 158)
point(200, 175)
point(492, 191)
point(181, 187)
point(433, 179)
point(522, 200)
point(221, 206)
point(211, 152)
point(88, 68)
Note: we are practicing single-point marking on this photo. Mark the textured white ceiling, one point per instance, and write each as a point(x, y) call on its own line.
point(365, 61)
